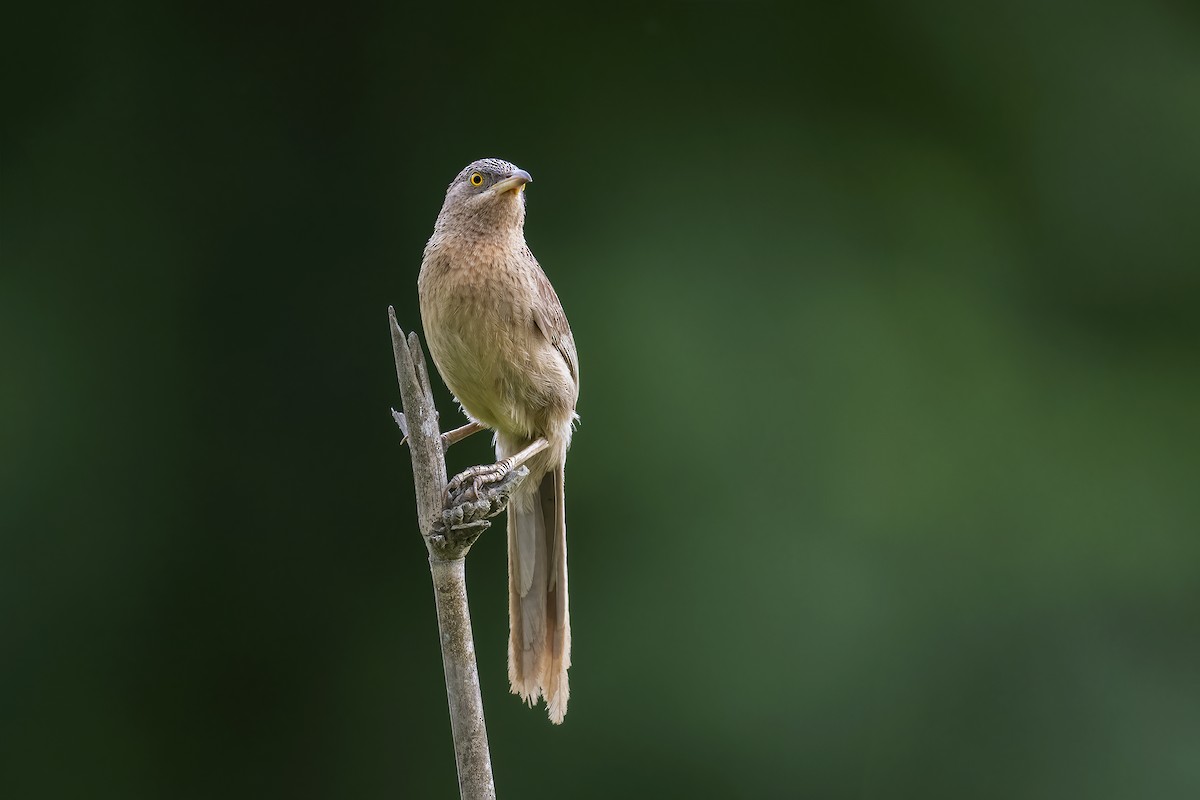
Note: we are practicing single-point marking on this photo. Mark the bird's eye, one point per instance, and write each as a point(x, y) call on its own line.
point(476, 179)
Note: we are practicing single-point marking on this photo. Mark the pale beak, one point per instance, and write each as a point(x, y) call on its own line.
point(513, 183)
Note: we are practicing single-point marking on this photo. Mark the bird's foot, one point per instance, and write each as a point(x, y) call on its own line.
point(478, 476)
point(476, 495)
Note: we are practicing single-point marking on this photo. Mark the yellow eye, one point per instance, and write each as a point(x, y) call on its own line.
point(476, 179)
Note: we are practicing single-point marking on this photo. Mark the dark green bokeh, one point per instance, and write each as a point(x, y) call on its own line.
point(886, 484)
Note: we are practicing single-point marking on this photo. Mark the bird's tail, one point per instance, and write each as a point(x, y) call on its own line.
point(539, 647)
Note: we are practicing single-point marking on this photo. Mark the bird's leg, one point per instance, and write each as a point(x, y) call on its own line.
point(490, 473)
point(448, 438)
point(458, 434)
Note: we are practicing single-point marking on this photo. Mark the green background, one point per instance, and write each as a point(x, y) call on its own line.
point(886, 482)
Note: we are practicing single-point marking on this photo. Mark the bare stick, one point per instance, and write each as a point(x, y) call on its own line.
point(449, 528)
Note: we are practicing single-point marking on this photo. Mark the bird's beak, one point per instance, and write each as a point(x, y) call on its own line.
point(513, 183)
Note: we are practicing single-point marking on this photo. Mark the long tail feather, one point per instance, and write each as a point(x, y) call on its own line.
point(540, 627)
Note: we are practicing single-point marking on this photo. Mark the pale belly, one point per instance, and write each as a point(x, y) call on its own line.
point(501, 370)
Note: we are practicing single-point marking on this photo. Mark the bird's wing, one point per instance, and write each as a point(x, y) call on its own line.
point(551, 320)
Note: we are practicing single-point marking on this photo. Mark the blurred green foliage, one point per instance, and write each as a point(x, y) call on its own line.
point(886, 483)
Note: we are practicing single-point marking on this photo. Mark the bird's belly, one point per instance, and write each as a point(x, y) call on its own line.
point(478, 359)
point(478, 382)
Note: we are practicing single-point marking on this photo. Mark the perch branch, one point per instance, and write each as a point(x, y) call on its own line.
point(450, 523)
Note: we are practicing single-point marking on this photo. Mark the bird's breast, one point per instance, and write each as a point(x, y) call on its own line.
point(476, 306)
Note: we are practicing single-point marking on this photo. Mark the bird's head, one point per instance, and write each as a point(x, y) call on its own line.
point(488, 195)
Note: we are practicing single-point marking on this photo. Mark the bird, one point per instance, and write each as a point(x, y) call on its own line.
point(500, 340)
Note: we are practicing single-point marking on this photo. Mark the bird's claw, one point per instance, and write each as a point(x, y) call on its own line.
point(476, 495)
point(478, 476)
